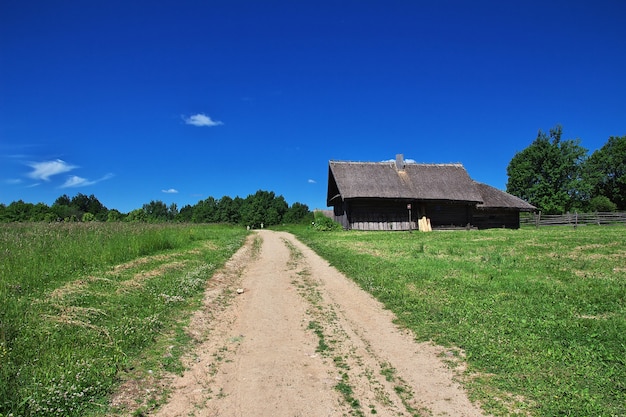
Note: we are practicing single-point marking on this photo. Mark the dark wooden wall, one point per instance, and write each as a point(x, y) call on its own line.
point(448, 214)
point(384, 214)
point(495, 218)
point(379, 215)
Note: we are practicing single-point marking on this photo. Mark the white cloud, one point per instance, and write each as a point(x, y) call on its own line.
point(406, 161)
point(13, 181)
point(311, 181)
point(170, 191)
point(201, 120)
point(75, 181)
point(44, 170)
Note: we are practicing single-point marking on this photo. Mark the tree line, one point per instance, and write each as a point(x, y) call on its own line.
point(263, 208)
point(559, 176)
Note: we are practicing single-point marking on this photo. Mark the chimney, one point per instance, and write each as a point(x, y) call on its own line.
point(399, 162)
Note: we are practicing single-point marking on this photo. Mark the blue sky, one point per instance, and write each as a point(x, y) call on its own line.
point(177, 101)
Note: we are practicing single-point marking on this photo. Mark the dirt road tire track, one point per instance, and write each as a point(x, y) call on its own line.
point(303, 340)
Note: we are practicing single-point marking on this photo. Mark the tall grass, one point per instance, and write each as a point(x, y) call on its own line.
point(540, 314)
point(79, 302)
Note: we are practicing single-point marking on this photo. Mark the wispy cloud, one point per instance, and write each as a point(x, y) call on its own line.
point(13, 181)
point(201, 120)
point(311, 181)
point(170, 191)
point(75, 181)
point(45, 170)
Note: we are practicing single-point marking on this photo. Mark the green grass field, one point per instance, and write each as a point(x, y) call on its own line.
point(85, 305)
point(538, 314)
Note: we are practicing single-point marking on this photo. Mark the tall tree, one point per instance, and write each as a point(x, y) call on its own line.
point(228, 210)
point(156, 211)
point(548, 173)
point(185, 214)
point(297, 213)
point(63, 208)
point(63, 200)
point(605, 171)
point(263, 208)
point(205, 211)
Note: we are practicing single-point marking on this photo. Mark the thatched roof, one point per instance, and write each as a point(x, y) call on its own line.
point(494, 198)
point(416, 182)
point(437, 182)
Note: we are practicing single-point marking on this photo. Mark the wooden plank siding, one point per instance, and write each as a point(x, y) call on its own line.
point(374, 214)
point(380, 215)
point(387, 214)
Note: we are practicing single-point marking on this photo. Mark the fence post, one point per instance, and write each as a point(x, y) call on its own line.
point(537, 219)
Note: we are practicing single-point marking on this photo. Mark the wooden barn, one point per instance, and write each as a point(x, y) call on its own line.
point(397, 195)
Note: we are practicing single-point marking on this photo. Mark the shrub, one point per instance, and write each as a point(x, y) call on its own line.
point(602, 203)
point(89, 217)
point(322, 223)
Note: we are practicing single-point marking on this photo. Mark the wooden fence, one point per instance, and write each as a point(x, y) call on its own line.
point(572, 219)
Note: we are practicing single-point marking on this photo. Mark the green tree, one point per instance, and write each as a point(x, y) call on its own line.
point(63, 200)
point(548, 173)
point(89, 204)
point(205, 211)
point(114, 215)
point(80, 202)
point(185, 214)
point(156, 211)
point(78, 206)
point(298, 213)
point(64, 212)
point(39, 212)
point(228, 210)
point(62, 208)
point(137, 215)
point(605, 171)
point(263, 208)
point(96, 208)
point(277, 209)
point(172, 211)
point(18, 211)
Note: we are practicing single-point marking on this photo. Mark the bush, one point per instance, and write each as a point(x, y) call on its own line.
point(322, 223)
point(89, 217)
point(602, 203)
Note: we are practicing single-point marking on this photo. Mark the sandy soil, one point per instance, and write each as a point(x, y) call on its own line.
point(303, 340)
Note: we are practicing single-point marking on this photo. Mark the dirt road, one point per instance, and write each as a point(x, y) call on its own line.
point(303, 340)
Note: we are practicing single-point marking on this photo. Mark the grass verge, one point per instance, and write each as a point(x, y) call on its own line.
point(85, 304)
point(539, 313)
